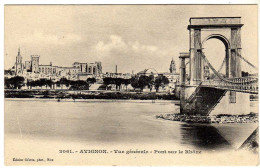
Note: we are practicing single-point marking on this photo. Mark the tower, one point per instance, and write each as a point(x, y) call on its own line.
point(99, 67)
point(18, 63)
point(35, 63)
point(172, 67)
point(225, 29)
point(206, 72)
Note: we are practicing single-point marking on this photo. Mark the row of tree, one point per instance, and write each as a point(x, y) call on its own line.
point(14, 83)
point(138, 82)
point(17, 82)
point(116, 81)
point(149, 81)
point(71, 84)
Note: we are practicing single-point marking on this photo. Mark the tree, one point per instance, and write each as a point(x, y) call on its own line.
point(91, 80)
point(161, 81)
point(30, 84)
point(64, 81)
point(165, 81)
point(42, 82)
point(14, 83)
point(134, 82)
point(118, 82)
point(7, 83)
point(79, 85)
point(143, 81)
point(9, 72)
point(107, 81)
point(49, 83)
point(57, 83)
point(245, 74)
point(126, 82)
point(157, 83)
point(151, 82)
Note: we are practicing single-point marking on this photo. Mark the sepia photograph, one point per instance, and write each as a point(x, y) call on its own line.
point(131, 85)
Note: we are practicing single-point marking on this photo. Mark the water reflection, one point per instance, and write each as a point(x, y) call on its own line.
point(203, 136)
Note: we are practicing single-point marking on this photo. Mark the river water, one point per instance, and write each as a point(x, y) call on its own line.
point(109, 122)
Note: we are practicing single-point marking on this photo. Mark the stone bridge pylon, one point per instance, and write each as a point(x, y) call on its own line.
point(197, 97)
point(225, 29)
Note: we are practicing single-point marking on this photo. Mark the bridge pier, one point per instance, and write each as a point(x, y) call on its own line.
point(183, 79)
point(236, 104)
point(203, 100)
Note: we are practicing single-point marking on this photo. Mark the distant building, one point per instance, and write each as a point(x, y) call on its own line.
point(172, 76)
point(34, 70)
point(148, 72)
point(88, 70)
point(117, 75)
point(35, 63)
point(18, 66)
point(206, 72)
point(28, 66)
point(172, 67)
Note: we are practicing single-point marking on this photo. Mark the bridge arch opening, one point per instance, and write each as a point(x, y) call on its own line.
point(220, 27)
point(219, 37)
point(216, 49)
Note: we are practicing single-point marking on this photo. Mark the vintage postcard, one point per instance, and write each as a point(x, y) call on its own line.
point(131, 85)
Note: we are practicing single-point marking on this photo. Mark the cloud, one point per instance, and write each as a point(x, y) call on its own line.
point(115, 42)
point(131, 54)
point(136, 46)
point(39, 37)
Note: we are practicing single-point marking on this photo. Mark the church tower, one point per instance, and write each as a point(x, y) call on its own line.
point(172, 67)
point(206, 72)
point(18, 64)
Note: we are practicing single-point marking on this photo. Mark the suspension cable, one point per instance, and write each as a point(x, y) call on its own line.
point(246, 61)
point(224, 79)
point(221, 66)
point(223, 63)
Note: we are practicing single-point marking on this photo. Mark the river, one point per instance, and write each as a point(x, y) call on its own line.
point(109, 122)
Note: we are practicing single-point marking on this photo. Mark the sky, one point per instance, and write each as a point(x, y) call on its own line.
point(133, 37)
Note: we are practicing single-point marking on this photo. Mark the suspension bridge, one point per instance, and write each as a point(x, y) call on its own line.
point(247, 84)
point(203, 88)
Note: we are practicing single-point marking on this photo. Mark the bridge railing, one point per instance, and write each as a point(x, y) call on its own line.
point(238, 84)
point(243, 79)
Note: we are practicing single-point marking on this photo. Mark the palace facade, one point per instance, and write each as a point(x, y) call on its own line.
point(34, 70)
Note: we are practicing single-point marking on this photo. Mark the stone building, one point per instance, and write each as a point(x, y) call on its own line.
point(47, 69)
point(206, 72)
point(28, 66)
point(18, 66)
point(172, 67)
point(35, 63)
point(148, 72)
point(88, 70)
point(116, 75)
point(34, 70)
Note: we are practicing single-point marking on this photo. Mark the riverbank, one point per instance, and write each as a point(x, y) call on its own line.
point(86, 94)
point(221, 119)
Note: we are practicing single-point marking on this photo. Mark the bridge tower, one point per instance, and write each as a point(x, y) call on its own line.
point(227, 30)
point(183, 56)
point(228, 93)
